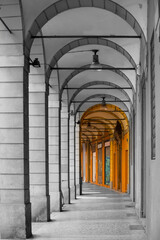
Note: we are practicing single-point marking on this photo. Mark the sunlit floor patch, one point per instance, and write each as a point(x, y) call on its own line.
point(98, 197)
point(90, 192)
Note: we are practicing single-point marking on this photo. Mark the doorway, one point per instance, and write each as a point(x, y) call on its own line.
point(107, 163)
point(100, 163)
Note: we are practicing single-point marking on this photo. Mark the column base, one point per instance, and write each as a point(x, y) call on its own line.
point(40, 208)
point(15, 221)
point(55, 201)
point(65, 192)
point(78, 189)
point(69, 195)
point(73, 192)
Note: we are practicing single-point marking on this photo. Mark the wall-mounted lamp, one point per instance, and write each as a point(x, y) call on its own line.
point(72, 113)
point(35, 63)
point(138, 69)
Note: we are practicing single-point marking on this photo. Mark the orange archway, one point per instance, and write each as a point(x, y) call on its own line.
point(104, 133)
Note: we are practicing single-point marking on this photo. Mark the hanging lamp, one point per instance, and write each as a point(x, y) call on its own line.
point(95, 63)
point(103, 102)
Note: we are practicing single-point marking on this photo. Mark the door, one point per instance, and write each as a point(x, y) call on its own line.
point(107, 165)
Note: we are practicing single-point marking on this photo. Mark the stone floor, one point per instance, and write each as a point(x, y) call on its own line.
point(98, 214)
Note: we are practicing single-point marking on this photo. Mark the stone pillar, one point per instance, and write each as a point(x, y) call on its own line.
point(54, 146)
point(77, 154)
point(71, 157)
point(15, 207)
point(64, 151)
point(38, 125)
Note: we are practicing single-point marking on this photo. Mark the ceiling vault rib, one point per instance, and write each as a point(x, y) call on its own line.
point(76, 72)
point(92, 119)
point(87, 36)
point(110, 88)
point(5, 25)
point(88, 68)
point(102, 129)
point(106, 111)
point(101, 101)
point(94, 131)
point(94, 136)
point(103, 123)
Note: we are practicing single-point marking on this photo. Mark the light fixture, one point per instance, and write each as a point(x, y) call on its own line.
point(88, 124)
point(35, 63)
point(72, 113)
point(103, 102)
point(95, 63)
point(138, 69)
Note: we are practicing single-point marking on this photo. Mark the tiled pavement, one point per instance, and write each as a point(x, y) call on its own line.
point(98, 214)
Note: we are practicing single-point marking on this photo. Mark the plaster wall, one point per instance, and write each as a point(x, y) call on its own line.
point(138, 140)
point(153, 166)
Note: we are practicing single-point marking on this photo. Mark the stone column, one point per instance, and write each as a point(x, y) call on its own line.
point(71, 157)
point(54, 147)
point(64, 151)
point(38, 125)
point(15, 207)
point(77, 155)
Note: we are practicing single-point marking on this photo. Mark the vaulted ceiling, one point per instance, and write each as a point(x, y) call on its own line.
point(76, 23)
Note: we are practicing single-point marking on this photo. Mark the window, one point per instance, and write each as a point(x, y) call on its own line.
point(153, 119)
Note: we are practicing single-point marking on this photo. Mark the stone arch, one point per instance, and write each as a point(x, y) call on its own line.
point(89, 41)
point(76, 72)
point(95, 83)
point(99, 95)
point(96, 109)
point(64, 5)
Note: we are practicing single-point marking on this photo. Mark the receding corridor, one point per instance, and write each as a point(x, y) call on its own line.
point(99, 213)
point(79, 119)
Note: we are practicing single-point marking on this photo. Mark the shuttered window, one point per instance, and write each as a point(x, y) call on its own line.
point(153, 121)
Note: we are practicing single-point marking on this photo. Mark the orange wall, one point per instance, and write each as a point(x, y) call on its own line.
point(124, 163)
point(113, 163)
